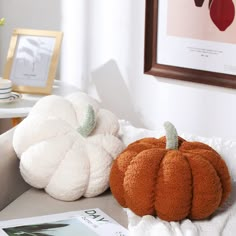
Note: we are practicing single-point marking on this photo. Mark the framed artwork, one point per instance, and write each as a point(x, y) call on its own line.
point(191, 40)
point(32, 60)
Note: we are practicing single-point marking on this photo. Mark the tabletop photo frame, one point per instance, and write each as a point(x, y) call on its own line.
point(184, 42)
point(32, 60)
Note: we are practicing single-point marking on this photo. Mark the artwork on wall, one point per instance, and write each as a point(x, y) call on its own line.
point(191, 40)
point(32, 60)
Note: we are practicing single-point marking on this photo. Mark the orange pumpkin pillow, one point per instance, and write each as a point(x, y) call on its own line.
point(170, 177)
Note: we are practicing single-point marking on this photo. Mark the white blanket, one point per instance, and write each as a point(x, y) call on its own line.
point(221, 223)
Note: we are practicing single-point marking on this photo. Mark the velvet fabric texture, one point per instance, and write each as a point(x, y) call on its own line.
point(189, 182)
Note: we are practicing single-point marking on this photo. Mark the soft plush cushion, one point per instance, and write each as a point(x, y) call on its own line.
point(150, 170)
point(223, 221)
point(62, 155)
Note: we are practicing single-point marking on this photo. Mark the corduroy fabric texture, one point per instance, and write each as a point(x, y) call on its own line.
point(191, 182)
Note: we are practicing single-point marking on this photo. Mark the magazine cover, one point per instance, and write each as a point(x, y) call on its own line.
point(90, 222)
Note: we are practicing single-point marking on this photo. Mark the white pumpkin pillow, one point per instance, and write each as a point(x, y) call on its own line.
point(67, 145)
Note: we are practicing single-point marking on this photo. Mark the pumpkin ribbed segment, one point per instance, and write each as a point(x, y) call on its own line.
point(207, 189)
point(217, 162)
point(117, 176)
point(139, 186)
point(173, 187)
point(120, 167)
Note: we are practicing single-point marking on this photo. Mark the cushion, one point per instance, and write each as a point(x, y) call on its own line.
point(66, 146)
point(150, 170)
point(222, 222)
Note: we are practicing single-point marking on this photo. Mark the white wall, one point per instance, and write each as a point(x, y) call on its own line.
point(104, 56)
point(116, 61)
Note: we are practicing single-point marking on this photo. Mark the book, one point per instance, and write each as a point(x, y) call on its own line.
point(89, 222)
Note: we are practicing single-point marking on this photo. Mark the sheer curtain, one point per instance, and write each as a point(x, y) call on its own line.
point(74, 56)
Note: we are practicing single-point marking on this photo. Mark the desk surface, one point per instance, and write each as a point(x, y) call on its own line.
point(22, 107)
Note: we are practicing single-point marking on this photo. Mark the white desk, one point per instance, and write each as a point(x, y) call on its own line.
point(21, 108)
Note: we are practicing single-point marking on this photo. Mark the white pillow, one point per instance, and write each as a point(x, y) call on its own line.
point(67, 145)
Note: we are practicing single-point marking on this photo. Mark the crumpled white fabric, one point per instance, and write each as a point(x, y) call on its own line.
point(221, 223)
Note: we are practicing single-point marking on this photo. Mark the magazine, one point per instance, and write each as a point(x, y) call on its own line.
point(89, 222)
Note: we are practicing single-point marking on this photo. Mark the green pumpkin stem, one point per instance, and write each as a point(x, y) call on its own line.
point(89, 123)
point(171, 136)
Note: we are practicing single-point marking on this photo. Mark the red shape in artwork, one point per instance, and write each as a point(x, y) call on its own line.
point(222, 13)
point(199, 3)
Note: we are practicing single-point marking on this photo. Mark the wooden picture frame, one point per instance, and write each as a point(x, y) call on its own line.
point(153, 66)
point(32, 60)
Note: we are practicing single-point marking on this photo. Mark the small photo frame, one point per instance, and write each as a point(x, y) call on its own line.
point(32, 60)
